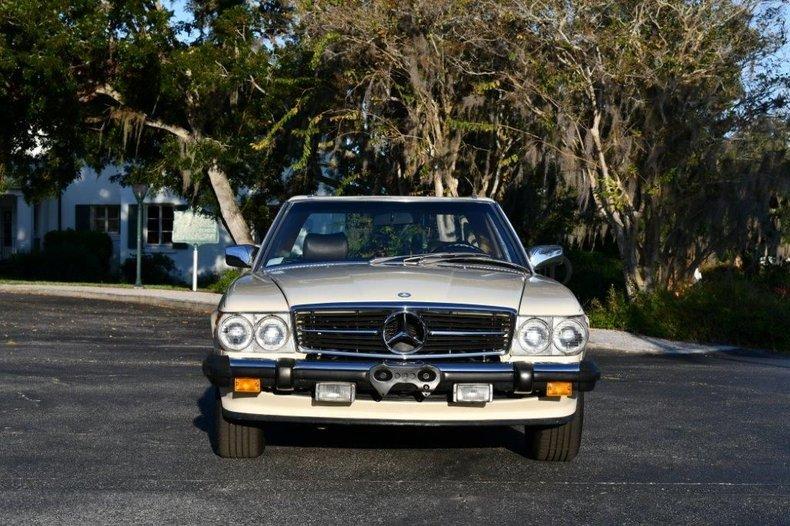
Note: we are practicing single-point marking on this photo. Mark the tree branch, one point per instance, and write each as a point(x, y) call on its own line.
point(178, 131)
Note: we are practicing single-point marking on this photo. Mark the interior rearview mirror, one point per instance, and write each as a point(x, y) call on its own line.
point(240, 256)
point(544, 255)
point(393, 219)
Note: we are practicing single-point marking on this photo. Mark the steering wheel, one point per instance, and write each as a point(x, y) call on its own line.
point(458, 247)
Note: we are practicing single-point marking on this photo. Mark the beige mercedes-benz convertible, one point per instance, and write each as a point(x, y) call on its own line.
point(398, 311)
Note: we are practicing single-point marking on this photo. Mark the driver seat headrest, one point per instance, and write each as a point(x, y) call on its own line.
point(325, 247)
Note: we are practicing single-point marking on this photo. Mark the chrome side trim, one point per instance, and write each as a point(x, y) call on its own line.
point(372, 332)
point(467, 333)
point(394, 357)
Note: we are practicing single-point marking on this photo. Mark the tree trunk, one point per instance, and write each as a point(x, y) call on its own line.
point(622, 217)
point(231, 215)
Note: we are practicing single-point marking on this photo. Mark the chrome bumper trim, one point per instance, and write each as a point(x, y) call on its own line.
point(403, 357)
point(330, 365)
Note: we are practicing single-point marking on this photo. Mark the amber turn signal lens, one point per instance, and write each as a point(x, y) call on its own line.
point(559, 389)
point(247, 385)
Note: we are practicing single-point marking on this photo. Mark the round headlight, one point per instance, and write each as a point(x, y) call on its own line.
point(235, 333)
point(271, 333)
point(570, 337)
point(534, 336)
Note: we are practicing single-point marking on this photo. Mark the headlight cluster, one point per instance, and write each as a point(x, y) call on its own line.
point(550, 336)
point(237, 333)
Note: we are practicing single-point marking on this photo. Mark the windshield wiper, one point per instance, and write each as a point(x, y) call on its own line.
point(462, 257)
point(449, 257)
point(484, 260)
point(387, 259)
point(413, 258)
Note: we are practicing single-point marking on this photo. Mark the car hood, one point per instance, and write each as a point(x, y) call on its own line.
point(277, 290)
point(399, 283)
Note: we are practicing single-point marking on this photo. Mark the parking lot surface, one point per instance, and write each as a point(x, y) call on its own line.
point(104, 418)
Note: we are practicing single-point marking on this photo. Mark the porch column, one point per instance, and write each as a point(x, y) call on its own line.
point(23, 239)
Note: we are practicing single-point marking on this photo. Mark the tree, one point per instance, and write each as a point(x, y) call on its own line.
point(128, 88)
point(630, 102)
point(644, 96)
point(42, 65)
point(420, 108)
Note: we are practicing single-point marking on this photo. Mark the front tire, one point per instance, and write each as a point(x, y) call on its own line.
point(557, 443)
point(235, 440)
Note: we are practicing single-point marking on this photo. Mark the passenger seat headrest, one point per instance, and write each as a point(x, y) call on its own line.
point(325, 247)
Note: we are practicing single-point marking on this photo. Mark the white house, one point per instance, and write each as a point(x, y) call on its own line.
point(94, 202)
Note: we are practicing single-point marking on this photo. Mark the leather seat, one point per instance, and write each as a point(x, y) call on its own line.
point(325, 247)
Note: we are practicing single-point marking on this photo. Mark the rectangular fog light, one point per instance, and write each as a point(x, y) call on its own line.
point(335, 392)
point(559, 388)
point(247, 385)
point(473, 393)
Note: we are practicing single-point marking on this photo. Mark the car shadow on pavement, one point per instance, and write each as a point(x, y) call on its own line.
point(371, 437)
point(205, 420)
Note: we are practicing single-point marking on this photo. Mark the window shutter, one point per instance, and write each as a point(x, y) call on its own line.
point(82, 217)
point(180, 246)
point(132, 230)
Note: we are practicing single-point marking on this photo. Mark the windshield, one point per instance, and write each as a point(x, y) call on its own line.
point(359, 231)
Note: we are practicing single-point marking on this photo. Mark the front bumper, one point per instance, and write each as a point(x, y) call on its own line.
point(286, 375)
point(287, 384)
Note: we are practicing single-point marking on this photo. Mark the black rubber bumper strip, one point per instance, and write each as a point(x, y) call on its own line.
point(253, 417)
point(287, 374)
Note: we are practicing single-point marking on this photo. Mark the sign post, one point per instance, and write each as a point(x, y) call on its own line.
point(194, 228)
point(194, 266)
point(139, 190)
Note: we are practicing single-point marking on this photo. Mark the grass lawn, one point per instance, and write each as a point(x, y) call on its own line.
point(7, 281)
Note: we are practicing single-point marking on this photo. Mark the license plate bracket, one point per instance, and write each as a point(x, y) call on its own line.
point(383, 377)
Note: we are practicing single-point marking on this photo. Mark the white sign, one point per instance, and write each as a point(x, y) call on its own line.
point(194, 228)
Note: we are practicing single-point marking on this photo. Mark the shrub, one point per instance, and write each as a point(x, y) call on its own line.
point(724, 307)
point(95, 243)
point(23, 266)
point(68, 255)
point(220, 283)
point(156, 269)
point(594, 274)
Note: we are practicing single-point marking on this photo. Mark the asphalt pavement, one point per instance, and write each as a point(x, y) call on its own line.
point(104, 418)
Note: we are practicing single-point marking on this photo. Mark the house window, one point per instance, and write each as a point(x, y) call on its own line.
point(106, 218)
point(159, 224)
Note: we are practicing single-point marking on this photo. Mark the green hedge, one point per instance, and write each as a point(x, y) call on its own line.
point(155, 269)
point(726, 307)
point(68, 255)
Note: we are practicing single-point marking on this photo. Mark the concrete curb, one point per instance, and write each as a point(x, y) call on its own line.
point(197, 301)
point(600, 339)
point(625, 342)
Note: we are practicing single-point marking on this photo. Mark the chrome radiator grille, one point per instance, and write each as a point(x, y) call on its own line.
point(427, 330)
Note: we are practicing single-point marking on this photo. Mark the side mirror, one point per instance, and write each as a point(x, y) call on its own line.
point(543, 255)
point(240, 256)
